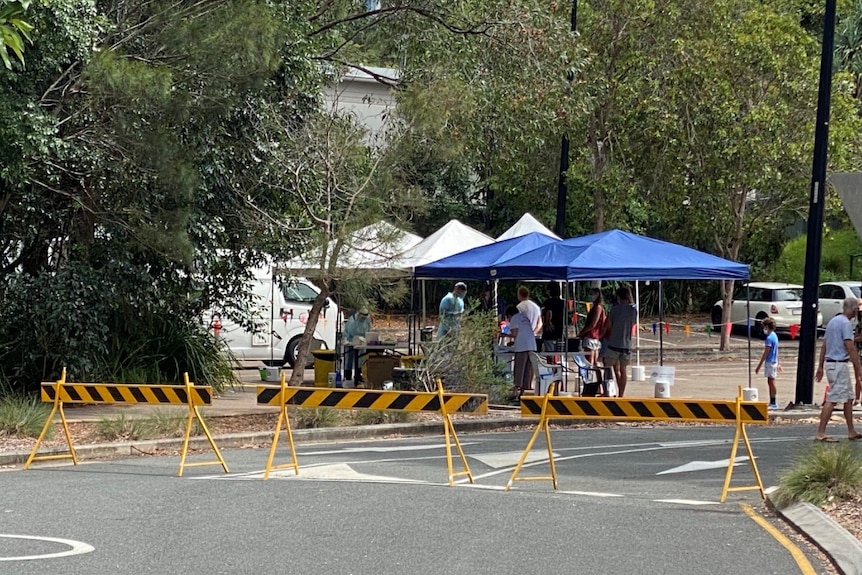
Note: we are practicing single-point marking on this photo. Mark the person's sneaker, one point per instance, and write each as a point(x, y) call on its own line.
point(773, 406)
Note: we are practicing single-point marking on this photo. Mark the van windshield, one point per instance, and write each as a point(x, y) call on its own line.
point(298, 292)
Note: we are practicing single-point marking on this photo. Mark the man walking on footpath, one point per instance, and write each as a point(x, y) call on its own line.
point(837, 350)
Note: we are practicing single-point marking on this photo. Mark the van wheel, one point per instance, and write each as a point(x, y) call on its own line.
point(290, 354)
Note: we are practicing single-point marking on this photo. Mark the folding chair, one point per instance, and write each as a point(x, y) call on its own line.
point(591, 377)
point(546, 374)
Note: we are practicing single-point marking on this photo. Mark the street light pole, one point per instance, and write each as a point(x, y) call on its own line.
point(814, 241)
point(562, 186)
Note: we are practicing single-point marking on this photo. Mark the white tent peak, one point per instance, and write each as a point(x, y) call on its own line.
point(524, 226)
point(451, 239)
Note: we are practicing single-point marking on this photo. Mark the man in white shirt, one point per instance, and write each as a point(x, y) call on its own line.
point(531, 310)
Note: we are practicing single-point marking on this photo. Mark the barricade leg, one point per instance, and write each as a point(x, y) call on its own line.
point(449, 429)
point(58, 406)
point(542, 426)
point(283, 419)
point(194, 414)
point(740, 432)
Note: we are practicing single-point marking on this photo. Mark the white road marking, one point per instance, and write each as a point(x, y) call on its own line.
point(704, 465)
point(77, 548)
point(687, 501)
point(593, 493)
point(379, 449)
point(328, 472)
point(498, 460)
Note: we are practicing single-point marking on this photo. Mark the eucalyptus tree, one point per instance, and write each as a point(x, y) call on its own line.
point(127, 152)
point(14, 30)
point(726, 156)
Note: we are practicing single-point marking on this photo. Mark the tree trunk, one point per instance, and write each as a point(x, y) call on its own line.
point(296, 378)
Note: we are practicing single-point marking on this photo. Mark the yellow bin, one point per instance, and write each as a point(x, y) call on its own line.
point(324, 363)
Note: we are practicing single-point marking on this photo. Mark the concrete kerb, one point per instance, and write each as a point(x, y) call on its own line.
point(844, 549)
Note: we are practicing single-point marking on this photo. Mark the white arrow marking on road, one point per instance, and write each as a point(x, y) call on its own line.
point(498, 460)
point(703, 465)
point(77, 548)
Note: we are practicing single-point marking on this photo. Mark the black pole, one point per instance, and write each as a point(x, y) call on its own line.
point(562, 186)
point(808, 328)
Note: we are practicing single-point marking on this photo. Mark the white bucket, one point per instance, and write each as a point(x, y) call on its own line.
point(638, 373)
point(749, 394)
point(273, 373)
point(662, 388)
point(330, 379)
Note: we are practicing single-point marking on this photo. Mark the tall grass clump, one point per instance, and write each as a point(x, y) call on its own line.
point(380, 416)
point(313, 417)
point(821, 474)
point(23, 416)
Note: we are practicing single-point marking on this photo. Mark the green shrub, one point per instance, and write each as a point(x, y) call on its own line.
point(308, 417)
point(160, 423)
point(163, 423)
point(464, 358)
point(119, 427)
point(24, 416)
point(378, 417)
point(821, 474)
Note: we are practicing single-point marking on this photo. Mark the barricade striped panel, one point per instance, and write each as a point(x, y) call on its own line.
point(125, 393)
point(646, 409)
point(373, 399)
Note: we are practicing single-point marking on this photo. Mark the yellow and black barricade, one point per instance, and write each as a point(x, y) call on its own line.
point(61, 392)
point(737, 412)
point(440, 402)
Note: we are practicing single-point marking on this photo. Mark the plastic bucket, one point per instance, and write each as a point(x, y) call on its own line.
point(324, 364)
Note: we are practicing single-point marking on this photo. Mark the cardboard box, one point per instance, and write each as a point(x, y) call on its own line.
point(378, 368)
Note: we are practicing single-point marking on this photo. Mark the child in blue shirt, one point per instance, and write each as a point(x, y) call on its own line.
point(769, 358)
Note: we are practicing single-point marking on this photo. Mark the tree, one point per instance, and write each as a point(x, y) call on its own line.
point(13, 30)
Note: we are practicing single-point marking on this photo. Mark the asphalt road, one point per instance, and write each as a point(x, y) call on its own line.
point(631, 500)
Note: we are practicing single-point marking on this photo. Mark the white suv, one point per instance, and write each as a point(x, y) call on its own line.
point(782, 302)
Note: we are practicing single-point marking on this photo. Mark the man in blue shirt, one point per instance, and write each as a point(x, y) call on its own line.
point(770, 357)
point(451, 309)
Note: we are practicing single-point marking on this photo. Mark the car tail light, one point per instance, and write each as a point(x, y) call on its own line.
point(773, 310)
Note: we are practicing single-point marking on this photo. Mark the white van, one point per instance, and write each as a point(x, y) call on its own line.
point(279, 327)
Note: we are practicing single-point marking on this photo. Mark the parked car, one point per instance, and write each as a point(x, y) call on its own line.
point(780, 301)
point(831, 295)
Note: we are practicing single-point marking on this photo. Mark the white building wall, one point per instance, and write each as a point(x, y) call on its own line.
point(369, 100)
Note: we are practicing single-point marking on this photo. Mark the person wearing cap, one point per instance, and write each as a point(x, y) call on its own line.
point(358, 325)
point(451, 309)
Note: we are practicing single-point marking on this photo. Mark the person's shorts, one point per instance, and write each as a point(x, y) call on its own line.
point(592, 344)
point(613, 356)
point(840, 388)
point(770, 370)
